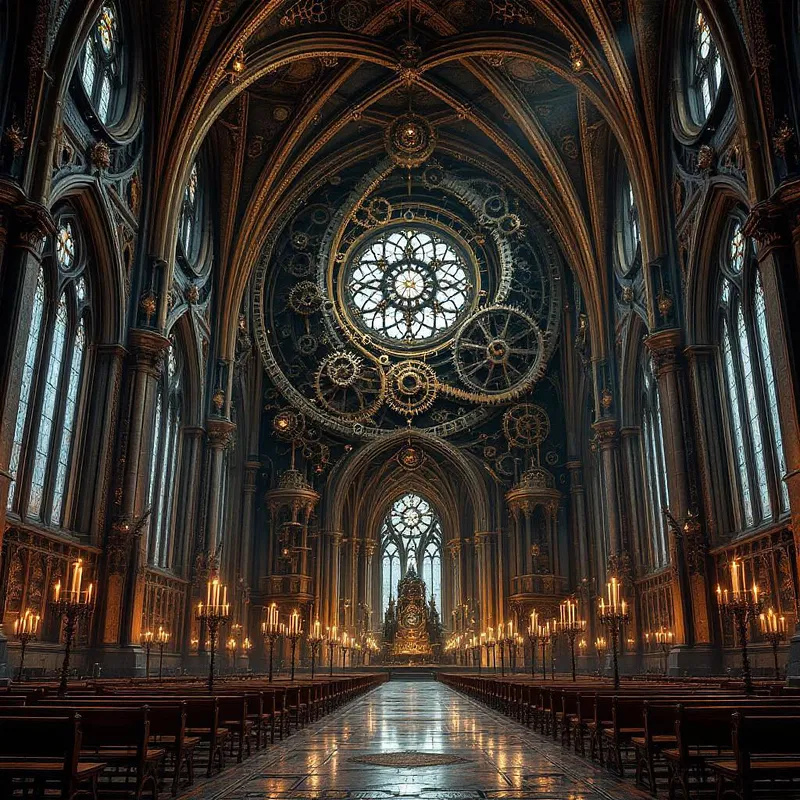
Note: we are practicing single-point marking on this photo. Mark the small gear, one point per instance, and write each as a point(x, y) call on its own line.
point(510, 223)
point(307, 344)
point(300, 240)
point(432, 176)
point(410, 458)
point(495, 207)
point(342, 368)
point(349, 385)
point(305, 298)
point(413, 387)
point(288, 424)
point(526, 425)
point(373, 212)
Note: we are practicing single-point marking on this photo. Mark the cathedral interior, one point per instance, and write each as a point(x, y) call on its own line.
point(378, 335)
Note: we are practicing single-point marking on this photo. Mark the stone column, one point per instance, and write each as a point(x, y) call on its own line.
point(370, 545)
point(578, 518)
point(126, 549)
point(687, 546)
point(248, 502)
point(220, 433)
point(608, 442)
point(635, 494)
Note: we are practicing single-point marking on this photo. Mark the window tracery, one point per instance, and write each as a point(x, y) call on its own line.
point(410, 284)
point(189, 231)
point(749, 386)
point(411, 537)
point(655, 468)
point(164, 463)
point(629, 237)
point(49, 407)
point(705, 69)
point(101, 65)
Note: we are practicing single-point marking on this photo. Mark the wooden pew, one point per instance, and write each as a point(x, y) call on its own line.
point(766, 751)
point(45, 752)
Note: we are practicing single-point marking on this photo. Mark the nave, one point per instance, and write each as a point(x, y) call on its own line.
point(488, 756)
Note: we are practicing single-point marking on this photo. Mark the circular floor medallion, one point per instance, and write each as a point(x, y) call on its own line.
point(408, 759)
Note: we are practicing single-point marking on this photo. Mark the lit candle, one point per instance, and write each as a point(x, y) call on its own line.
point(208, 593)
point(57, 590)
point(89, 594)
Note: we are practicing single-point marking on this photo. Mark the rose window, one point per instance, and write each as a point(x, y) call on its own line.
point(410, 285)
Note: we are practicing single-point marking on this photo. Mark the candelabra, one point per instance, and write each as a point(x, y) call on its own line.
point(25, 630)
point(72, 605)
point(162, 639)
point(571, 627)
point(344, 646)
point(315, 640)
point(147, 643)
point(601, 647)
point(533, 638)
point(613, 616)
point(506, 640)
point(332, 642)
point(271, 630)
point(544, 638)
point(773, 629)
point(476, 653)
point(663, 639)
point(740, 605)
point(491, 647)
point(214, 613)
point(231, 646)
point(553, 640)
point(293, 633)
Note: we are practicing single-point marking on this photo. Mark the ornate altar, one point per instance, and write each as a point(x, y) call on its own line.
point(412, 638)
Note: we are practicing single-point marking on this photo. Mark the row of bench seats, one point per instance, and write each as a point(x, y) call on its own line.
point(133, 738)
point(688, 739)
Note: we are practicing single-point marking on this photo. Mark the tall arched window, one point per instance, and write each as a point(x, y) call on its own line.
point(705, 69)
point(628, 246)
point(164, 464)
point(49, 408)
point(411, 536)
point(101, 65)
point(655, 467)
point(751, 405)
point(191, 216)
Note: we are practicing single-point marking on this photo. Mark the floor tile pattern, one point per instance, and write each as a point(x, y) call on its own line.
point(498, 759)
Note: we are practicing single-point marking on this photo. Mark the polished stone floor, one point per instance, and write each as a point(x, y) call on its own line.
point(494, 757)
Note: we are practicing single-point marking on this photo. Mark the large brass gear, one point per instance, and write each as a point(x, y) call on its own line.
point(499, 353)
point(526, 425)
point(413, 387)
point(350, 386)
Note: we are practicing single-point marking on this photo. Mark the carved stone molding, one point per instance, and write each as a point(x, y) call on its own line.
point(148, 349)
point(606, 433)
point(220, 433)
point(665, 350)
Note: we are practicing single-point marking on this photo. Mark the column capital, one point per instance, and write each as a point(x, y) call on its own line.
point(630, 431)
point(665, 349)
point(695, 352)
point(194, 431)
point(606, 433)
point(772, 221)
point(148, 349)
point(220, 432)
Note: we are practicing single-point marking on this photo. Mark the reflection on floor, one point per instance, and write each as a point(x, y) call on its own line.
point(415, 739)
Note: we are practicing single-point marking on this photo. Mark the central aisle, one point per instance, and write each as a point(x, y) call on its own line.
point(479, 755)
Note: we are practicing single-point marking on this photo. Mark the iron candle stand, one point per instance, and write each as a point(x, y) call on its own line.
point(147, 643)
point(600, 647)
point(773, 629)
point(294, 632)
point(544, 638)
point(614, 616)
point(572, 627)
point(72, 605)
point(271, 630)
point(214, 613)
point(740, 605)
point(554, 634)
point(315, 640)
point(25, 630)
point(162, 639)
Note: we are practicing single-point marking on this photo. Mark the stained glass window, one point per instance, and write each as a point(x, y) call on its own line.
point(163, 466)
point(70, 414)
point(706, 69)
point(28, 374)
point(101, 69)
point(655, 467)
point(411, 537)
point(772, 395)
point(47, 415)
point(627, 222)
point(410, 284)
point(190, 222)
point(65, 246)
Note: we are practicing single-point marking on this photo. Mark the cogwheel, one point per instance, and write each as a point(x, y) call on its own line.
point(349, 385)
point(305, 298)
point(413, 387)
point(495, 207)
point(318, 453)
point(288, 424)
point(373, 212)
point(499, 353)
point(526, 425)
point(307, 344)
point(510, 223)
point(299, 265)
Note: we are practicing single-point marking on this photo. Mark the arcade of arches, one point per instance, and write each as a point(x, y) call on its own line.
point(410, 315)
